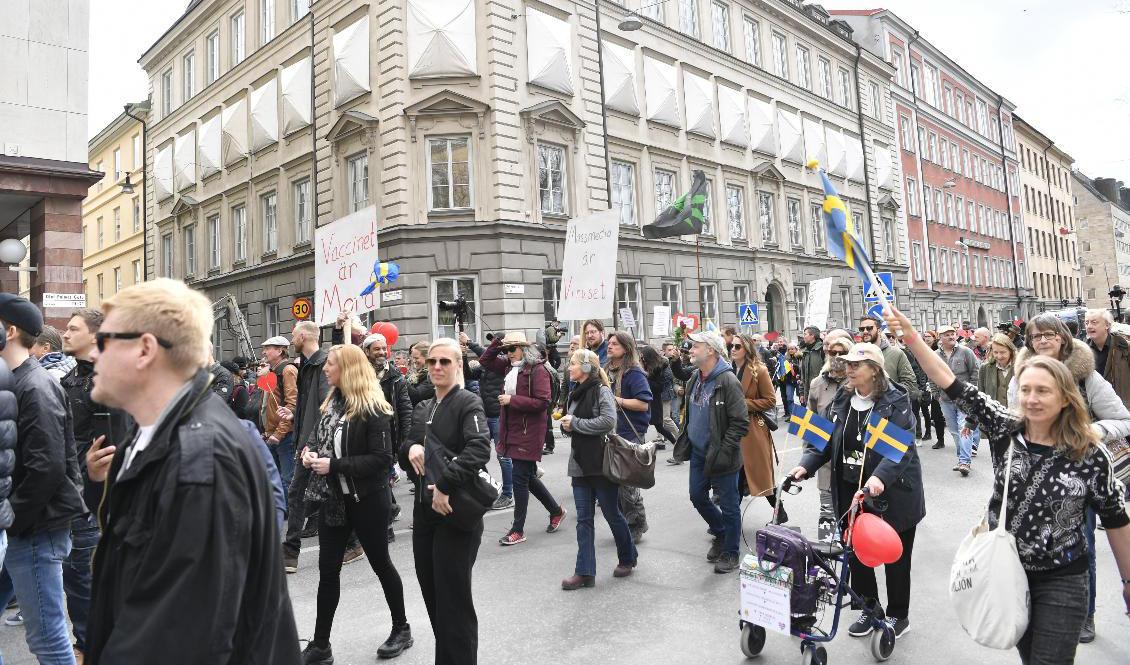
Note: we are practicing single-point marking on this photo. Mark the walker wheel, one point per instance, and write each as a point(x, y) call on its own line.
point(814, 655)
point(753, 640)
point(883, 643)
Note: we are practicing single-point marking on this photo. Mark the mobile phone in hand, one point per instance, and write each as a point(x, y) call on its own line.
point(103, 427)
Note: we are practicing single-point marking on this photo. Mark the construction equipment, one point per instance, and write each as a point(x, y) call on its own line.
point(226, 310)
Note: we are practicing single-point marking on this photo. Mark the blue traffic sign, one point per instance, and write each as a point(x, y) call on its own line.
point(748, 314)
point(876, 312)
point(887, 284)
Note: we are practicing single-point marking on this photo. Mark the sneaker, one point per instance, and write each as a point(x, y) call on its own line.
point(16, 619)
point(502, 502)
point(399, 640)
point(715, 551)
point(939, 445)
point(290, 564)
point(963, 469)
point(900, 626)
point(674, 462)
point(540, 472)
point(512, 538)
point(1088, 634)
point(556, 520)
point(862, 626)
point(353, 554)
point(311, 530)
point(974, 451)
point(547, 451)
point(956, 467)
point(623, 569)
point(578, 582)
point(727, 563)
point(316, 655)
point(393, 477)
point(395, 512)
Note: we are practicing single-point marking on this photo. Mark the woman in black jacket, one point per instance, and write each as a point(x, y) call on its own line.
point(350, 452)
point(448, 445)
point(662, 383)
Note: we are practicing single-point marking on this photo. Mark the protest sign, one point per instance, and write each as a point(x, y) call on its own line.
point(345, 251)
point(819, 303)
point(588, 269)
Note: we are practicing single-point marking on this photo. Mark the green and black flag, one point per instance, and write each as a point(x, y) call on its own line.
point(684, 216)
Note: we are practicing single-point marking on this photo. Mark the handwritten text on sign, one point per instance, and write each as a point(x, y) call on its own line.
point(588, 270)
point(343, 265)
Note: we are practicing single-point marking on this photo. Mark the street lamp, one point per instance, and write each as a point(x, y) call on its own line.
point(968, 273)
point(127, 186)
point(633, 22)
point(949, 184)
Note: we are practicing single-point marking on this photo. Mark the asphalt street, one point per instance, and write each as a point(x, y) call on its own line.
point(674, 609)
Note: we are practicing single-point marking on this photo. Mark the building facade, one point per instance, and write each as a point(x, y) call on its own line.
point(43, 165)
point(112, 218)
point(960, 180)
point(478, 133)
point(1049, 218)
point(1102, 211)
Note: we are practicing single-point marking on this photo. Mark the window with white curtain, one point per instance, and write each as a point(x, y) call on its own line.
point(800, 297)
point(239, 233)
point(752, 41)
point(889, 239)
point(190, 250)
point(357, 168)
point(792, 212)
point(212, 57)
point(824, 74)
point(803, 67)
point(628, 297)
point(721, 20)
point(449, 173)
point(735, 212)
point(189, 75)
point(268, 206)
point(708, 297)
point(816, 211)
point(238, 38)
point(688, 17)
point(653, 10)
point(303, 211)
point(266, 21)
point(916, 260)
point(766, 219)
point(845, 88)
point(624, 192)
point(664, 189)
point(551, 178)
point(214, 241)
point(780, 56)
point(167, 255)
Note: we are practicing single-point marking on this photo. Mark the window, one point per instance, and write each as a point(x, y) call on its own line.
point(735, 212)
point(863, 231)
point(934, 261)
point(189, 76)
point(211, 58)
point(298, 9)
point(933, 145)
point(896, 60)
point(938, 204)
point(238, 39)
point(954, 164)
point(889, 239)
point(449, 171)
point(741, 294)
point(914, 78)
point(945, 150)
point(136, 214)
point(911, 196)
point(780, 60)
point(303, 217)
point(190, 250)
point(117, 163)
point(765, 218)
point(707, 213)
point(269, 210)
point(932, 86)
point(950, 217)
point(845, 304)
point(628, 297)
point(803, 67)
point(844, 88)
point(100, 233)
point(167, 254)
point(959, 107)
point(947, 101)
point(357, 168)
point(824, 72)
point(117, 224)
point(448, 288)
point(653, 10)
point(167, 92)
point(138, 156)
point(922, 147)
point(550, 299)
point(876, 100)
point(551, 178)
point(959, 212)
point(982, 117)
point(792, 212)
point(945, 276)
point(271, 318)
point(928, 201)
point(624, 192)
point(117, 279)
point(976, 266)
point(916, 261)
point(213, 242)
point(817, 215)
point(671, 295)
point(664, 189)
point(688, 17)
point(266, 21)
point(800, 297)
point(101, 290)
point(752, 41)
point(137, 271)
point(708, 297)
point(721, 26)
point(239, 233)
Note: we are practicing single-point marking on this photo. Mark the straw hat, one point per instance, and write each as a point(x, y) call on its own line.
point(515, 338)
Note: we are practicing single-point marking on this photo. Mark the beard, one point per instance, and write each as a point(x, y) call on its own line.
point(379, 364)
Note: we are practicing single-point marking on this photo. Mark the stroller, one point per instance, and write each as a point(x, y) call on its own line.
point(819, 578)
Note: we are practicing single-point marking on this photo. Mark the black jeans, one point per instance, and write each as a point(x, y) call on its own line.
point(369, 519)
point(1059, 608)
point(898, 578)
point(932, 413)
point(445, 557)
point(526, 482)
point(296, 510)
point(549, 442)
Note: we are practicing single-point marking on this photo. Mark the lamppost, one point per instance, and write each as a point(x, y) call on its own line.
point(127, 186)
point(1116, 293)
point(968, 274)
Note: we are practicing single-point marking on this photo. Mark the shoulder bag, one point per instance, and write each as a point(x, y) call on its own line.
point(626, 462)
point(469, 502)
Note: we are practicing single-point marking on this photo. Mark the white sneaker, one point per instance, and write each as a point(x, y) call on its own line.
point(16, 619)
point(540, 472)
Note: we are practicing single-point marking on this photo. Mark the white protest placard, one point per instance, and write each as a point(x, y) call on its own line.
point(765, 596)
point(660, 321)
point(343, 266)
point(819, 303)
point(627, 319)
point(588, 269)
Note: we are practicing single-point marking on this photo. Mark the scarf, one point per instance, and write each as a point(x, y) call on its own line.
point(318, 489)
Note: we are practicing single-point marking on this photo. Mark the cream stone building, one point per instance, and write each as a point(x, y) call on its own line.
point(113, 238)
point(1047, 206)
point(477, 131)
point(1102, 210)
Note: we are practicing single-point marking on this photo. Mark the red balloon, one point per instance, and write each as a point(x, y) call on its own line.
point(267, 382)
point(388, 330)
point(875, 542)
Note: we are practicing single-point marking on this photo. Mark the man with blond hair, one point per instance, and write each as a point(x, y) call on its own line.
point(189, 569)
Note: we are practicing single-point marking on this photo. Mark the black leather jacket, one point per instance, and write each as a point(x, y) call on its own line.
point(77, 384)
point(9, 411)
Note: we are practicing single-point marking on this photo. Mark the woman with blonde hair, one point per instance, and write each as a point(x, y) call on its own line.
point(1059, 473)
point(758, 455)
point(349, 453)
point(997, 372)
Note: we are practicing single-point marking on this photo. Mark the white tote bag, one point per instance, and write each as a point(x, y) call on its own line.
point(988, 586)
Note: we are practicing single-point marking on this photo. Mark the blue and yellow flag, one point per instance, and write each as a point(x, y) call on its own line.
point(843, 241)
point(810, 427)
point(384, 272)
point(784, 368)
point(886, 439)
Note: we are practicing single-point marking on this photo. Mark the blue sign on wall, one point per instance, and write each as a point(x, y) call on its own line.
point(887, 283)
point(748, 314)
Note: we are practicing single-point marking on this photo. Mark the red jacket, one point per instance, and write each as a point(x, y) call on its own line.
point(523, 422)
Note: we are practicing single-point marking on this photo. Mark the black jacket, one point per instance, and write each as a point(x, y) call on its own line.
point(9, 411)
point(490, 386)
point(367, 454)
point(422, 389)
point(457, 444)
point(190, 545)
point(222, 382)
point(85, 417)
point(312, 390)
point(395, 388)
point(45, 480)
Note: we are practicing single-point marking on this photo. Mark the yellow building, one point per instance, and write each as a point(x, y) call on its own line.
point(113, 237)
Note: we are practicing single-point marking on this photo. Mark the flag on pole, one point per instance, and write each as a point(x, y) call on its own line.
point(810, 428)
point(784, 368)
point(843, 241)
point(683, 217)
point(886, 439)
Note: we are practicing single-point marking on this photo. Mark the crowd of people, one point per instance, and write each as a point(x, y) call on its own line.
point(136, 451)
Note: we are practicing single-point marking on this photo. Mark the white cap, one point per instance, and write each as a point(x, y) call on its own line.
point(277, 340)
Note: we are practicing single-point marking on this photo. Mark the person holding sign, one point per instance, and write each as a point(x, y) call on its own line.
point(869, 395)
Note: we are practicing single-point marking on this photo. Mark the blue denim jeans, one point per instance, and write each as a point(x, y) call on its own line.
point(727, 522)
point(77, 574)
point(504, 463)
point(587, 492)
point(955, 421)
point(1055, 620)
point(284, 455)
point(35, 565)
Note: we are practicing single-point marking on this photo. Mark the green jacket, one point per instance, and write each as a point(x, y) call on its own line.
point(994, 382)
point(810, 365)
point(899, 369)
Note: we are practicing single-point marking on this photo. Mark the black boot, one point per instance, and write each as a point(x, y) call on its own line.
point(317, 655)
point(397, 643)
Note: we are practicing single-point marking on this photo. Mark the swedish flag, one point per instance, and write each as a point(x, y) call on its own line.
point(784, 368)
point(886, 439)
point(810, 427)
point(843, 241)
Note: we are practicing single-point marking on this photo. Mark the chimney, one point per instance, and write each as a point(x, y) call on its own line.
point(1125, 192)
point(1108, 187)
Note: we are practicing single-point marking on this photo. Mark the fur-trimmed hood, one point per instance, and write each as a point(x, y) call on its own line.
point(1081, 361)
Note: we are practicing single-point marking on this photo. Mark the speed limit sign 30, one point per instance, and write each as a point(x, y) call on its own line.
point(301, 309)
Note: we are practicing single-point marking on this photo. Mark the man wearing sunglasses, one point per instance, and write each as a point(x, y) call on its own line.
point(895, 361)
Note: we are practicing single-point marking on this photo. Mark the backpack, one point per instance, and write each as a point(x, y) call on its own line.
point(554, 384)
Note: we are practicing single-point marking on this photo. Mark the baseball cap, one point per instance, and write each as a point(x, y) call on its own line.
point(20, 313)
point(946, 329)
point(277, 340)
point(864, 351)
point(712, 339)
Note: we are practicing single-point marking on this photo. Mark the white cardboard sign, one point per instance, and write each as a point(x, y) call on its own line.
point(588, 269)
point(660, 320)
point(819, 303)
point(345, 251)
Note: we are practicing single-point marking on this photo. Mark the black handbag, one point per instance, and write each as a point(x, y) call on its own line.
point(629, 463)
point(770, 420)
point(469, 502)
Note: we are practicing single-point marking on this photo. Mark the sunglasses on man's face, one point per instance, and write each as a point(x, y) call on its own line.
point(866, 328)
point(442, 362)
point(100, 339)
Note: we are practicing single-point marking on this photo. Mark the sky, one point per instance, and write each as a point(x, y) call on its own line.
point(1064, 64)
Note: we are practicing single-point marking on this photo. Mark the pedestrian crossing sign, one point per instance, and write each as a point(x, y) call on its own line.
point(748, 315)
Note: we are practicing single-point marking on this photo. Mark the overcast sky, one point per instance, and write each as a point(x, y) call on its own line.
point(1064, 64)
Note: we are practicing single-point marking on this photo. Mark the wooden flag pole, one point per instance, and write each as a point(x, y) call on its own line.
point(698, 281)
